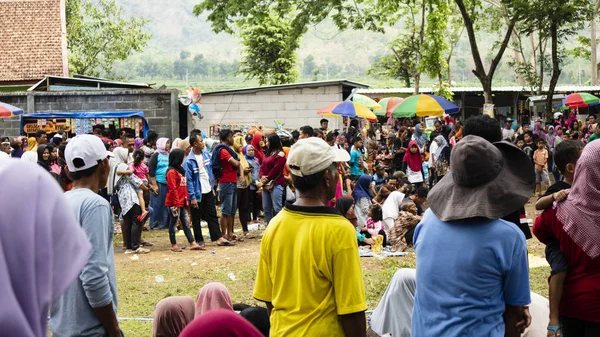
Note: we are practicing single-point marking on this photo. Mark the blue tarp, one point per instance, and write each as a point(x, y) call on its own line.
point(89, 114)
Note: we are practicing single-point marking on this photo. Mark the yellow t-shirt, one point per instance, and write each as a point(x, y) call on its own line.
point(309, 269)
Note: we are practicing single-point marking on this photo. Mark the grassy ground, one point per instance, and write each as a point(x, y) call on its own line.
point(185, 273)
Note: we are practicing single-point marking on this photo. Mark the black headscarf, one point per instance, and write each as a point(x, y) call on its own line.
point(259, 317)
point(43, 163)
point(176, 158)
point(343, 205)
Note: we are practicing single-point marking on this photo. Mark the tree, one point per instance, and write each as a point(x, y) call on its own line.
point(184, 55)
point(470, 11)
point(401, 64)
point(309, 66)
point(98, 35)
point(269, 50)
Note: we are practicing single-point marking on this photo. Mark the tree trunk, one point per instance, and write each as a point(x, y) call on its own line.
point(542, 57)
point(594, 45)
point(487, 91)
point(417, 81)
point(517, 56)
point(555, 68)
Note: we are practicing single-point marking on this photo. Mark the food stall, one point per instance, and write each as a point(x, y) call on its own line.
point(78, 123)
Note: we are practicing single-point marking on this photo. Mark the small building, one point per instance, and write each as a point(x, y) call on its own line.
point(293, 105)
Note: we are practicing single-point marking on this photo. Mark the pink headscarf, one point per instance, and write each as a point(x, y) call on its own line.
point(32, 276)
point(579, 213)
point(220, 323)
point(161, 145)
point(211, 297)
point(172, 315)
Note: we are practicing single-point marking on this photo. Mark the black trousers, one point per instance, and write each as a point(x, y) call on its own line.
point(576, 328)
point(207, 210)
point(254, 203)
point(133, 227)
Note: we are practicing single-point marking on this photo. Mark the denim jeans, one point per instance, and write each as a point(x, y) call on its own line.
point(228, 195)
point(185, 223)
point(160, 217)
point(272, 202)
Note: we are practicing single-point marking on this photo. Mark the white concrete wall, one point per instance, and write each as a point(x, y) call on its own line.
point(292, 107)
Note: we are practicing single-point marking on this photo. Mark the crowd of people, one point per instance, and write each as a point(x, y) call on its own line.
point(454, 194)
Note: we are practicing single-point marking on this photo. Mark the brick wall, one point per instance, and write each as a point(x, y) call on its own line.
point(160, 107)
point(293, 107)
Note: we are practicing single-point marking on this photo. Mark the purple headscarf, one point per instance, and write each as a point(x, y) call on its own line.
point(138, 142)
point(33, 275)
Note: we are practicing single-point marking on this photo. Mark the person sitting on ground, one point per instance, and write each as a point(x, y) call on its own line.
point(345, 206)
point(362, 195)
point(172, 315)
point(177, 201)
point(259, 317)
point(419, 197)
point(31, 279)
point(306, 132)
point(212, 296)
point(394, 312)
point(486, 183)
point(540, 160)
point(380, 177)
point(375, 225)
point(401, 235)
point(328, 292)
point(220, 323)
point(391, 209)
point(89, 306)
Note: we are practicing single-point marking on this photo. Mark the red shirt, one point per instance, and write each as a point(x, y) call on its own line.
point(273, 167)
point(581, 294)
point(229, 174)
point(176, 190)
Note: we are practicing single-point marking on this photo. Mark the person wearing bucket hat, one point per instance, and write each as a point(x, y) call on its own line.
point(463, 240)
point(328, 292)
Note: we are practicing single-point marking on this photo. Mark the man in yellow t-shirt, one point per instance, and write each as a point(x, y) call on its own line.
point(309, 272)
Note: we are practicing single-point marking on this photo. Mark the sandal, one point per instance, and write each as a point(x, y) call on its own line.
point(226, 244)
point(176, 249)
point(249, 236)
point(200, 247)
point(554, 330)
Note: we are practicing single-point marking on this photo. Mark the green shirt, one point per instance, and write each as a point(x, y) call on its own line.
point(593, 137)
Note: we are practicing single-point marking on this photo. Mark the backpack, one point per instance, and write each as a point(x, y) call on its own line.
point(215, 162)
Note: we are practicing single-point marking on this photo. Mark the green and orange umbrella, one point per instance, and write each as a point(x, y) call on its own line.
point(388, 105)
point(424, 105)
point(366, 101)
point(580, 100)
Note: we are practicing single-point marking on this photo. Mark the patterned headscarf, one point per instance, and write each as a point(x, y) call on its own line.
point(579, 212)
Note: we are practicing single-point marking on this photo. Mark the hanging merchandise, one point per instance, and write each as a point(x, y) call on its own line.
point(195, 97)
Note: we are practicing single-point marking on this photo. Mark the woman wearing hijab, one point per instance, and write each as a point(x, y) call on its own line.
point(43, 155)
point(393, 314)
point(362, 195)
point(53, 160)
point(212, 296)
point(345, 207)
point(254, 201)
point(243, 186)
point(210, 143)
point(419, 137)
point(159, 164)
point(259, 317)
point(391, 209)
point(172, 315)
point(258, 151)
point(574, 223)
point(30, 155)
point(414, 162)
point(31, 279)
point(442, 157)
point(220, 323)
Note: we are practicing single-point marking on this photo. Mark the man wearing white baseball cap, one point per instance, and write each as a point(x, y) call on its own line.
point(309, 265)
point(88, 307)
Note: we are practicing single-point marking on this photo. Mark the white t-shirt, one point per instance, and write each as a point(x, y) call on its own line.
point(432, 150)
point(414, 176)
point(507, 133)
point(204, 179)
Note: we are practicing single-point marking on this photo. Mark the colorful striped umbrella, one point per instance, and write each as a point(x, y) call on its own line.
point(7, 110)
point(347, 109)
point(425, 105)
point(388, 104)
point(366, 101)
point(580, 100)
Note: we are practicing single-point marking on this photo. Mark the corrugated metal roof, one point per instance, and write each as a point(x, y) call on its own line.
point(61, 83)
point(289, 86)
point(565, 88)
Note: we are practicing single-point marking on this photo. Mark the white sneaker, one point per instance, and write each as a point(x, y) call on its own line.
point(142, 251)
point(128, 251)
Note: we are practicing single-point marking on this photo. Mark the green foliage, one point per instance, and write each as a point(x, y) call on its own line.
point(583, 48)
point(269, 50)
point(433, 62)
point(309, 66)
point(401, 65)
point(98, 35)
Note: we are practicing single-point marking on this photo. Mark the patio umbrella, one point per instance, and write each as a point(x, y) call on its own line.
point(7, 110)
point(347, 109)
point(388, 104)
point(425, 105)
point(580, 100)
point(366, 101)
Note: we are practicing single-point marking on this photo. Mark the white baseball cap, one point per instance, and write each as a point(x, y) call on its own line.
point(84, 152)
point(312, 155)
